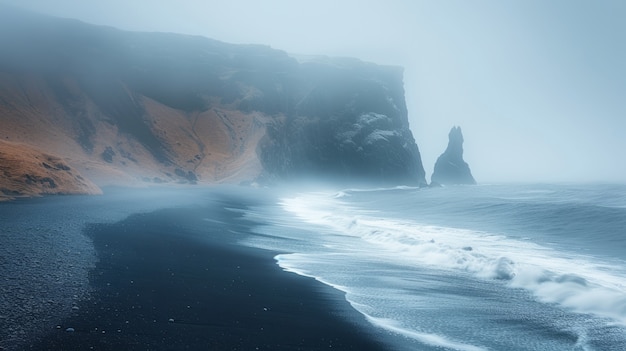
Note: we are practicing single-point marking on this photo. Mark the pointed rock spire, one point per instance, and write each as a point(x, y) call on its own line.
point(450, 167)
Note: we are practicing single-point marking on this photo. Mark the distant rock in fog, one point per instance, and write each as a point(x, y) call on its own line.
point(450, 167)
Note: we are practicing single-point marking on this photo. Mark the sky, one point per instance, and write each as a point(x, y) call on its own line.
point(538, 87)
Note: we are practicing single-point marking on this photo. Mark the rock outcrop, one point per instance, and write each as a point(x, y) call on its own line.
point(450, 167)
point(347, 121)
point(127, 107)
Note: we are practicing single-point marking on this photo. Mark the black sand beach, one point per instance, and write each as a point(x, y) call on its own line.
point(176, 279)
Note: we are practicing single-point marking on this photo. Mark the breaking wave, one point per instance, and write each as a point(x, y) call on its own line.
point(580, 283)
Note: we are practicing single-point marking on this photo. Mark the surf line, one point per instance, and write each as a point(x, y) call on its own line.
point(426, 338)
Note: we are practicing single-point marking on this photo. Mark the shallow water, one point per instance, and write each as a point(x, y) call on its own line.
point(493, 267)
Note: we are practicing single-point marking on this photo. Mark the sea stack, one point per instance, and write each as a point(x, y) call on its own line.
point(450, 167)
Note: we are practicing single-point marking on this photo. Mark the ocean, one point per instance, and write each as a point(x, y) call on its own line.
point(487, 267)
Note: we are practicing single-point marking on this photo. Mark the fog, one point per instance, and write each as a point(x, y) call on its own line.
point(538, 87)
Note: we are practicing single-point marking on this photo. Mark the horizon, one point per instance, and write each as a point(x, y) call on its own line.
point(539, 98)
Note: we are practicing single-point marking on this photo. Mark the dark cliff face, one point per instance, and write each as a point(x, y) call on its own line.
point(450, 167)
point(165, 105)
point(349, 122)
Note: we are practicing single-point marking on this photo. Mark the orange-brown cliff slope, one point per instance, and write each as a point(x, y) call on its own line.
point(127, 108)
point(111, 105)
point(25, 171)
point(214, 145)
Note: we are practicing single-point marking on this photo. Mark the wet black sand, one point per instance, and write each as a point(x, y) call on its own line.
point(169, 280)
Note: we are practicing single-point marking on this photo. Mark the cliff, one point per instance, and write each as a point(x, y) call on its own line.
point(450, 167)
point(127, 107)
point(347, 120)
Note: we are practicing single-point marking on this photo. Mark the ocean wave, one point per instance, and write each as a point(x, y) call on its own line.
point(347, 192)
point(580, 283)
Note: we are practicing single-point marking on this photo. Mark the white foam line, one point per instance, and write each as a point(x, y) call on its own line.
point(279, 260)
point(426, 338)
point(388, 324)
point(573, 281)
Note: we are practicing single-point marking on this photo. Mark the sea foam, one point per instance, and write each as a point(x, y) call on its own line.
point(580, 283)
point(426, 338)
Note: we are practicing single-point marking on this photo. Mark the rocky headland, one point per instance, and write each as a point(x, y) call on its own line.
point(129, 108)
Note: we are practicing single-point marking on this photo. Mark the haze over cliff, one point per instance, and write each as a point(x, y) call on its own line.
point(128, 107)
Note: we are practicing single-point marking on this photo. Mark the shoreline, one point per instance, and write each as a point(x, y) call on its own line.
point(178, 279)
